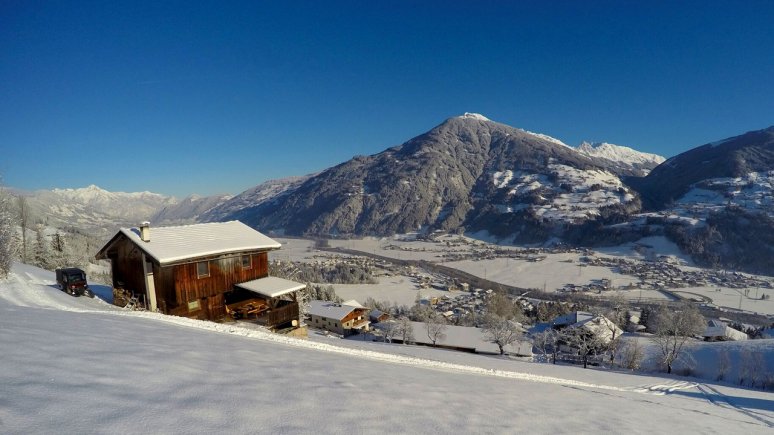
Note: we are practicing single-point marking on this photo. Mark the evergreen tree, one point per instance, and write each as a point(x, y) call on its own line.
point(40, 254)
point(7, 235)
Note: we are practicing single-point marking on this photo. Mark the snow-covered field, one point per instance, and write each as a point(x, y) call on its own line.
point(397, 289)
point(551, 273)
point(79, 365)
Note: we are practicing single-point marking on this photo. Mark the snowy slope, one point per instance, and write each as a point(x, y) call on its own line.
point(71, 365)
point(751, 192)
point(252, 197)
point(563, 193)
point(621, 156)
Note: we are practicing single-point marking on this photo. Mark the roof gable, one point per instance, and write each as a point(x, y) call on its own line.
point(188, 242)
point(330, 310)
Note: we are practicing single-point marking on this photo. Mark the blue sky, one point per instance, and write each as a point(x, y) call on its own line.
point(202, 97)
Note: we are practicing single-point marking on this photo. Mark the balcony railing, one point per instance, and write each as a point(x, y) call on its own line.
point(280, 315)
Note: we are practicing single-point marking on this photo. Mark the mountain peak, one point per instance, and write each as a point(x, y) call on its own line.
point(476, 116)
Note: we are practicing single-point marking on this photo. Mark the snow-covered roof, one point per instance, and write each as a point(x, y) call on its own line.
point(571, 318)
point(331, 310)
point(600, 326)
point(717, 328)
point(352, 303)
point(179, 243)
point(271, 286)
point(465, 337)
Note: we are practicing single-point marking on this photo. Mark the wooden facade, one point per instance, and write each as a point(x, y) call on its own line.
point(182, 290)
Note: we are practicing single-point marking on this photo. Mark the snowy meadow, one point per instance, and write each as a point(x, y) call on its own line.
point(79, 365)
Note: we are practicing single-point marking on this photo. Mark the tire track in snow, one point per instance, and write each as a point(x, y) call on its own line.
point(718, 399)
point(662, 389)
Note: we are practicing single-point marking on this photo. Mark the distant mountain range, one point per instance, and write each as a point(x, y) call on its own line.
point(94, 209)
point(470, 174)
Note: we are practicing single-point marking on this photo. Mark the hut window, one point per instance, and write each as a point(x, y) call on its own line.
point(193, 305)
point(247, 262)
point(202, 269)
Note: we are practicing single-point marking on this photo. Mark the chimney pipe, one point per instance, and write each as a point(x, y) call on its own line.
point(145, 231)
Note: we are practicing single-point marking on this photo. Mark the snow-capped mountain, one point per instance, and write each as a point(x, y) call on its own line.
point(134, 205)
point(251, 198)
point(467, 172)
point(622, 157)
point(95, 209)
point(735, 157)
point(716, 202)
point(189, 209)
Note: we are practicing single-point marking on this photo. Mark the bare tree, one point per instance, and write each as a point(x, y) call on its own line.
point(435, 326)
point(501, 305)
point(752, 367)
point(501, 332)
point(724, 363)
point(587, 342)
point(616, 314)
point(673, 328)
point(405, 330)
point(631, 354)
point(546, 342)
point(388, 330)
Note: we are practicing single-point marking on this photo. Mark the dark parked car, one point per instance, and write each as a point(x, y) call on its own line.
point(73, 281)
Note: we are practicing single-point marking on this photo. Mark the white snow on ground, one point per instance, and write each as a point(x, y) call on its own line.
point(575, 195)
point(648, 248)
point(751, 192)
point(80, 367)
point(552, 273)
point(397, 289)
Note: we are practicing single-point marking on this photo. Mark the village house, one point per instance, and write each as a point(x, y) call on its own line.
point(344, 318)
point(718, 330)
point(204, 271)
point(377, 316)
point(570, 319)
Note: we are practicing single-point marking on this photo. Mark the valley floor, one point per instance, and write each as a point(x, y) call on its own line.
point(79, 365)
point(551, 273)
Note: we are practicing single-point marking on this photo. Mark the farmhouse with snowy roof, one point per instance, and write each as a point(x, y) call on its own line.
point(718, 330)
point(344, 318)
point(203, 271)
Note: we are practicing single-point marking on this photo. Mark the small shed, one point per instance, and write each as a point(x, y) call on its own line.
point(377, 316)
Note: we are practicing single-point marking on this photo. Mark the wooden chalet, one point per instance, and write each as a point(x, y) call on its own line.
point(344, 318)
point(204, 271)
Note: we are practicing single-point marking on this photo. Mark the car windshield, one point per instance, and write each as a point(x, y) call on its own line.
point(76, 276)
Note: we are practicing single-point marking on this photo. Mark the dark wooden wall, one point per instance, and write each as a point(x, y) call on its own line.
point(179, 284)
point(224, 273)
point(126, 267)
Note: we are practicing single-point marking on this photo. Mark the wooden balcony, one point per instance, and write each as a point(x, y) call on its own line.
point(283, 314)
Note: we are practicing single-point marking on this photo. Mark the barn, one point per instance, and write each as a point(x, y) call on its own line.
point(205, 271)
